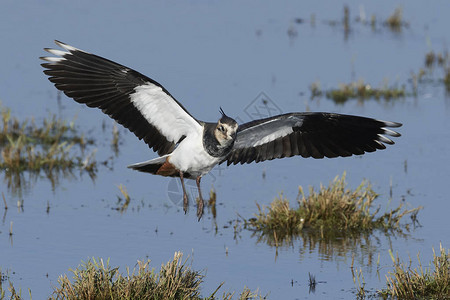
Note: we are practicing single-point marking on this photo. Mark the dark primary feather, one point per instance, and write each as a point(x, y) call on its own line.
point(309, 134)
point(99, 82)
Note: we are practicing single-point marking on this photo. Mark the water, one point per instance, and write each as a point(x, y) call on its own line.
point(225, 54)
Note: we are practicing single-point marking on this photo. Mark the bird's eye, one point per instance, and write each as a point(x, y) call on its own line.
point(221, 128)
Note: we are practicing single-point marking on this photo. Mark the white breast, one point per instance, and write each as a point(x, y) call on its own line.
point(191, 157)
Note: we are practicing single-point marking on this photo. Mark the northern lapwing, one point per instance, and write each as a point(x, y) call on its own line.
point(190, 148)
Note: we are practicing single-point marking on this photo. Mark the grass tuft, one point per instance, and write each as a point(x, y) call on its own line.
point(361, 90)
point(407, 283)
point(122, 207)
point(360, 283)
point(436, 71)
point(96, 279)
point(358, 90)
point(13, 293)
point(333, 209)
point(395, 21)
point(49, 147)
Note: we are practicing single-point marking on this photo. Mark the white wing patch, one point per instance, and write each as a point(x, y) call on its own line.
point(162, 111)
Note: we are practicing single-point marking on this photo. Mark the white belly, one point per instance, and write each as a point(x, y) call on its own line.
point(191, 157)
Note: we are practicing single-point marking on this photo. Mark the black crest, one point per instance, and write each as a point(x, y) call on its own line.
point(225, 119)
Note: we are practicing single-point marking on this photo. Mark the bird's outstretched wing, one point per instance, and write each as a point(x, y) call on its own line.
point(309, 134)
point(137, 102)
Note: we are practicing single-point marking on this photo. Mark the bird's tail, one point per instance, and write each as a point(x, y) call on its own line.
point(158, 166)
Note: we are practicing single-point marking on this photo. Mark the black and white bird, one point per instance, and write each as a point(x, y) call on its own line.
point(190, 148)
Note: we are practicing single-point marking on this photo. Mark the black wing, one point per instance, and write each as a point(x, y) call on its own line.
point(309, 134)
point(137, 102)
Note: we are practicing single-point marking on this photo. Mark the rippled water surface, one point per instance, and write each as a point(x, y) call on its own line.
point(234, 55)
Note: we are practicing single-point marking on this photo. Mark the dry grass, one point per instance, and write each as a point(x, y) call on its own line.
point(395, 21)
point(211, 204)
point(175, 280)
point(333, 210)
point(358, 90)
point(96, 279)
point(447, 80)
point(436, 71)
point(441, 62)
point(13, 293)
point(124, 202)
point(417, 283)
point(361, 90)
point(360, 283)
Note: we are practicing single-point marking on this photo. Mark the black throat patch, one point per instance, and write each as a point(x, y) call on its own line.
point(212, 145)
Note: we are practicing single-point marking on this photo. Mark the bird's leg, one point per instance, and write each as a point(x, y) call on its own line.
point(185, 198)
point(200, 200)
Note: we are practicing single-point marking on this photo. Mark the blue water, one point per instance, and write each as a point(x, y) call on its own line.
point(211, 54)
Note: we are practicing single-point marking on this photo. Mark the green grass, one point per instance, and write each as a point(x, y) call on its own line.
point(52, 147)
point(432, 283)
point(96, 279)
point(332, 211)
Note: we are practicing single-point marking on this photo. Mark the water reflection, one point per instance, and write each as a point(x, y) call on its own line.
point(19, 182)
point(53, 147)
point(361, 247)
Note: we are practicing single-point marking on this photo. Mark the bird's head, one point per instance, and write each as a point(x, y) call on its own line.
point(226, 129)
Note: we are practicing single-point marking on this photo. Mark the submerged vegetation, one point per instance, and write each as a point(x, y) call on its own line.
point(53, 147)
point(439, 62)
point(395, 21)
point(333, 211)
point(122, 207)
point(96, 279)
point(436, 70)
point(358, 90)
point(407, 283)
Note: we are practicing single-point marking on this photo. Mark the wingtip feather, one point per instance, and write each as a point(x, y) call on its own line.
point(385, 140)
point(391, 132)
point(391, 124)
point(66, 46)
point(56, 51)
point(52, 59)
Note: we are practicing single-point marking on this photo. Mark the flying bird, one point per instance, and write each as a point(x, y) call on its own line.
point(190, 148)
